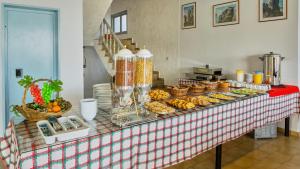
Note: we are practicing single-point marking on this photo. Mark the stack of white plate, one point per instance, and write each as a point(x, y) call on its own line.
point(103, 94)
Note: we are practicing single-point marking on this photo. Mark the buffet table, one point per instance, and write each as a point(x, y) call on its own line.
point(166, 141)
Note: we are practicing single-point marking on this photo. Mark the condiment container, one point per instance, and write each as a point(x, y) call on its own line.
point(240, 75)
point(258, 78)
point(143, 68)
point(124, 78)
point(249, 78)
point(124, 63)
point(46, 131)
point(75, 132)
point(143, 74)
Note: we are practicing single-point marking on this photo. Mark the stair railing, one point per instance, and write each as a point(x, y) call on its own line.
point(109, 40)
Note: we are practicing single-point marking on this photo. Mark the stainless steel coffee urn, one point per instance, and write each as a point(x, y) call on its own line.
point(272, 68)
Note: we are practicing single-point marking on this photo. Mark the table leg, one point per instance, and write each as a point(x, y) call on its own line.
point(287, 127)
point(219, 157)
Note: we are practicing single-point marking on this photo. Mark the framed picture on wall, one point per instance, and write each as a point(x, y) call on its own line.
point(188, 16)
point(272, 10)
point(227, 13)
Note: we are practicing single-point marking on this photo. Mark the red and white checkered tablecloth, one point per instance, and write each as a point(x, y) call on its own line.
point(188, 82)
point(282, 107)
point(279, 107)
point(157, 144)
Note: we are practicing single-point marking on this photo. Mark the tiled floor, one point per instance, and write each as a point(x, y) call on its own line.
point(1, 167)
point(247, 153)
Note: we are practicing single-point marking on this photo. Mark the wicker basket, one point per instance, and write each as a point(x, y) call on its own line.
point(224, 85)
point(34, 115)
point(197, 89)
point(210, 86)
point(178, 91)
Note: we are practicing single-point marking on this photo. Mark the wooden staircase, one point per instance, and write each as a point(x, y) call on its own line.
point(109, 44)
point(157, 81)
point(130, 45)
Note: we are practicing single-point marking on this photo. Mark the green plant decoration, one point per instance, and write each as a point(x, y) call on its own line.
point(13, 108)
point(26, 81)
point(56, 85)
point(47, 92)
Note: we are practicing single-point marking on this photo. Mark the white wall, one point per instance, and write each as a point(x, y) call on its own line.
point(154, 23)
point(239, 46)
point(70, 47)
point(93, 13)
point(94, 73)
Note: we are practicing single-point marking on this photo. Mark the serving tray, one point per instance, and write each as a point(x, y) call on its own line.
point(72, 127)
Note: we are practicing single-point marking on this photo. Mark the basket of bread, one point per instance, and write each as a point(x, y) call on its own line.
point(224, 86)
point(210, 86)
point(197, 89)
point(178, 91)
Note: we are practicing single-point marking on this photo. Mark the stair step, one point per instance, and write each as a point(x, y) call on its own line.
point(128, 43)
point(110, 60)
point(155, 75)
point(159, 80)
point(127, 39)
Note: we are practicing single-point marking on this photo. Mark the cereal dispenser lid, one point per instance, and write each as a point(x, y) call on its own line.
point(144, 53)
point(125, 53)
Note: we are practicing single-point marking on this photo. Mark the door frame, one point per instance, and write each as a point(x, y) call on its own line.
point(4, 19)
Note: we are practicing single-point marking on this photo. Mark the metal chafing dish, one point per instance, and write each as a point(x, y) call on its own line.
point(206, 73)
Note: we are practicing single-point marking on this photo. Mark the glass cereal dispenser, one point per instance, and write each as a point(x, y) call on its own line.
point(124, 79)
point(143, 74)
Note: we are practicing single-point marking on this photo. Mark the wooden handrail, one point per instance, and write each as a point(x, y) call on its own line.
point(113, 34)
point(110, 42)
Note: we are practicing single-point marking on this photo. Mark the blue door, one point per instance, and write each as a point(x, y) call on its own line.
point(30, 49)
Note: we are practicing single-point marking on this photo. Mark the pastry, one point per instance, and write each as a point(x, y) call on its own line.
point(211, 100)
point(221, 96)
point(157, 107)
point(197, 101)
point(159, 94)
point(246, 91)
point(181, 104)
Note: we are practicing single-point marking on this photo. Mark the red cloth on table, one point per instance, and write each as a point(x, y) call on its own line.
point(283, 90)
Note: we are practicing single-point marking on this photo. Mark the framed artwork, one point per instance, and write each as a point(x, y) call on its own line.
point(188, 16)
point(226, 14)
point(272, 10)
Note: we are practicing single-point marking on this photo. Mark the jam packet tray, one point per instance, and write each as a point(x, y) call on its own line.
point(46, 131)
point(72, 127)
point(75, 132)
